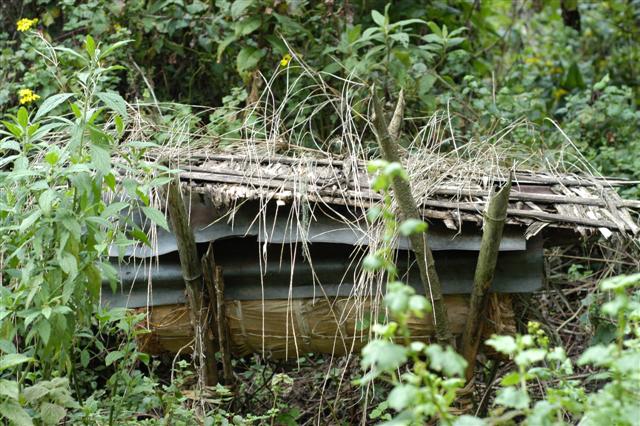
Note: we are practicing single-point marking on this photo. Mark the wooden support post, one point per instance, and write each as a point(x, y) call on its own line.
point(221, 320)
point(409, 210)
point(192, 274)
point(494, 219)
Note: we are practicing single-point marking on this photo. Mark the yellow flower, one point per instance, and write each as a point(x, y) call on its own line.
point(27, 96)
point(285, 60)
point(558, 93)
point(25, 24)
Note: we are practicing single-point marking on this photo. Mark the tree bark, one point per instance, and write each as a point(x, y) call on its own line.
point(409, 210)
point(494, 219)
point(192, 274)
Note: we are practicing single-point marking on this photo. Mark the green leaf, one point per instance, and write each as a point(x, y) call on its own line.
point(621, 282)
point(372, 262)
point(402, 396)
point(113, 357)
point(112, 48)
point(90, 46)
point(248, 25)
point(383, 355)
point(446, 361)
point(34, 393)
point(29, 221)
point(23, 117)
point(412, 226)
point(13, 412)
point(513, 397)
point(574, 78)
point(530, 356)
point(239, 7)
point(503, 344)
point(156, 217)
point(223, 46)
point(46, 200)
point(101, 159)
point(68, 264)
point(248, 58)
point(596, 355)
point(50, 103)
point(52, 414)
point(44, 330)
point(11, 360)
point(10, 389)
point(467, 420)
point(378, 18)
point(114, 102)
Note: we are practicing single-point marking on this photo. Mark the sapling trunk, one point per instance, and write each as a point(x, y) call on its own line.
point(192, 274)
point(409, 210)
point(494, 219)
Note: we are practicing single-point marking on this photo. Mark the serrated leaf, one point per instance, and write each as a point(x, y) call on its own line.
point(52, 414)
point(50, 103)
point(34, 393)
point(13, 412)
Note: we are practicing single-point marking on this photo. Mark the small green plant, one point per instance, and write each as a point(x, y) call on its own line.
point(424, 378)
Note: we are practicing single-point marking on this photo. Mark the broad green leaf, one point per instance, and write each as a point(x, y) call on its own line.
point(30, 220)
point(239, 7)
point(467, 420)
point(378, 18)
point(513, 397)
point(503, 344)
point(46, 200)
point(412, 226)
point(68, 264)
point(9, 388)
point(13, 412)
point(11, 360)
point(383, 355)
point(248, 58)
point(156, 217)
point(34, 393)
point(402, 396)
point(114, 102)
point(52, 414)
point(101, 159)
point(23, 117)
point(446, 360)
point(50, 103)
point(113, 357)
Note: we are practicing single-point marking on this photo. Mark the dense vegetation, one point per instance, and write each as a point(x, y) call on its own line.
point(71, 71)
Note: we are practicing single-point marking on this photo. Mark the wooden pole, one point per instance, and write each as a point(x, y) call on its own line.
point(192, 274)
point(419, 244)
point(221, 320)
point(494, 219)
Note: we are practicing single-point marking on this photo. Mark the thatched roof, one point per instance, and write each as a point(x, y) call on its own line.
point(451, 195)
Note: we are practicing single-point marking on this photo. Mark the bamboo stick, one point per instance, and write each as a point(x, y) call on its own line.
point(192, 274)
point(409, 210)
point(221, 320)
point(494, 219)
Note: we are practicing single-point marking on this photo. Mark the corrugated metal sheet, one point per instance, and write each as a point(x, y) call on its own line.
point(211, 224)
point(332, 273)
